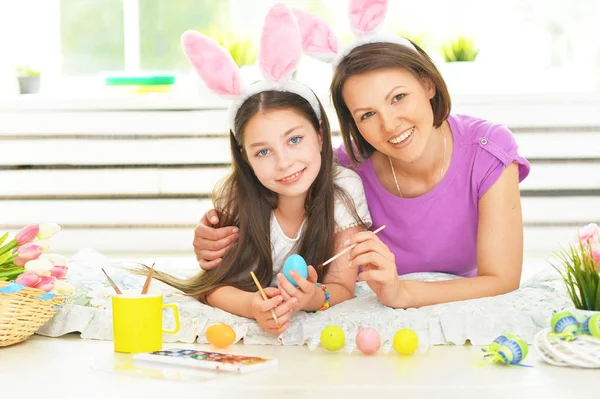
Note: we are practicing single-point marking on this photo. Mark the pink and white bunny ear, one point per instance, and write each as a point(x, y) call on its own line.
point(366, 15)
point(318, 40)
point(280, 44)
point(213, 63)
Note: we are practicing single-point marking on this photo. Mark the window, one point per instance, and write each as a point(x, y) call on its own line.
point(161, 23)
point(91, 36)
point(83, 38)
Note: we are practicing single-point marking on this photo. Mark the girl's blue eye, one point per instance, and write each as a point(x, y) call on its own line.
point(398, 98)
point(295, 139)
point(262, 153)
point(367, 115)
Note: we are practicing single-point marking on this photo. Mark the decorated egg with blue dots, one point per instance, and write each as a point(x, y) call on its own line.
point(296, 263)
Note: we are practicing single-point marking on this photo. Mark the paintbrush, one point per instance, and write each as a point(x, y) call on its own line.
point(349, 248)
point(262, 292)
point(148, 280)
point(117, 290)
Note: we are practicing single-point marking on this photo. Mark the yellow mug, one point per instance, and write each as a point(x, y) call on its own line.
point(137, 322)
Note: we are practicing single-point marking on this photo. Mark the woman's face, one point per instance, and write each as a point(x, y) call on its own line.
point(284, 150)
point(392, 111)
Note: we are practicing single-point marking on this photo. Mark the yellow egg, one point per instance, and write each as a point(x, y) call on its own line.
point(220, 335)
point(406, 341)
point(333, 338)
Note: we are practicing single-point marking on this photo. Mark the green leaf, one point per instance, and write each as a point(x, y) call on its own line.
point(6, 258)
point(3, 238)
point(7, 247)
point(12, 273)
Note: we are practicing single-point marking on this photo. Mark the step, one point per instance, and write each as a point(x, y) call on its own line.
point(514, 111)
point(198, 149)
point(177, 212)
point(193, 181)
point(538, 241)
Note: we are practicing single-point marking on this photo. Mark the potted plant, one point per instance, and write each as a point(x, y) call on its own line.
point(579, 267)
point(460, 50)
point(242, 49)
point(29, 80)
point(459, 69)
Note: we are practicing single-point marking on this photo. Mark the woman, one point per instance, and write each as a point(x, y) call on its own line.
point(446, 186)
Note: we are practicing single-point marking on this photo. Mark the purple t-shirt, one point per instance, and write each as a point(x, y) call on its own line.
point(437, 232)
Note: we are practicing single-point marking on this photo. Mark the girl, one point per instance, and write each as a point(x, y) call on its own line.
point(284, 195)
point(447, 186)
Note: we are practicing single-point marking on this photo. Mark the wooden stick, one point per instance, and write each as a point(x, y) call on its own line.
point(148, 281)
point(262, 292)
point(117, 290)
point(350, 247)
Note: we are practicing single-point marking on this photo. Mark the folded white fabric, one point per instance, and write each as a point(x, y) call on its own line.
point(523, 312)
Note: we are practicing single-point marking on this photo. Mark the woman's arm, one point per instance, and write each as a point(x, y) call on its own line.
point(499, 255)
point(499, 251)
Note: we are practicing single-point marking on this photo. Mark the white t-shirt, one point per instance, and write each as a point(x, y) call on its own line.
point(282, 246)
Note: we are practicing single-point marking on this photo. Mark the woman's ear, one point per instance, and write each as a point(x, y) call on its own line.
point(429, 87)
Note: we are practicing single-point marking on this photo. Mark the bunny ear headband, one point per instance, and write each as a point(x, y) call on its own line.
point(366, 18)
point(279, 54)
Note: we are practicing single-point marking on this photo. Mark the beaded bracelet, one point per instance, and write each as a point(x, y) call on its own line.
point(327, 297)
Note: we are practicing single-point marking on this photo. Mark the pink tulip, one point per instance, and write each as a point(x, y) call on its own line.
point(596, 253)
point(27, 234)
point(40, 266)
point(27, 252)
point(57, 260)
point(59, 272)
point(47, 230)
point(28, 279)
point(589, 232)
point(46, 283)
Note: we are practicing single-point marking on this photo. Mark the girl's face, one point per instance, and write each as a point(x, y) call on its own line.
point(284, 151)
point(392, 111)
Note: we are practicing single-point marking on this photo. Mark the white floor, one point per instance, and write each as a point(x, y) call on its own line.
point(70, 367)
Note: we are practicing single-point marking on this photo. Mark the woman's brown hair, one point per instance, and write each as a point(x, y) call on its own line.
point(373, 56)
point(243, 201)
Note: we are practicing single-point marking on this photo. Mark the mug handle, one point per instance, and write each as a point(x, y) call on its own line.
point(176, 314)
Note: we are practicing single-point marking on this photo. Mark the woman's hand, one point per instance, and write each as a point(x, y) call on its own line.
point(261, 310)
point(210, 243)
point(378, 265)
point(306, 293)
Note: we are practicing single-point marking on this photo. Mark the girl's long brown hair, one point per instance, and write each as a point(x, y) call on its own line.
point(243, 201)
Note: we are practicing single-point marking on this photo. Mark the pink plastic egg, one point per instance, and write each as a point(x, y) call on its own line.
point(368, 340)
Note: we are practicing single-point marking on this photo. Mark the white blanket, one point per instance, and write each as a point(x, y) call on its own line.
point(522, 312)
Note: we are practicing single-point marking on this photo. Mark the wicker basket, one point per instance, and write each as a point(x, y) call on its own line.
point(581, 352)
point(22, 313)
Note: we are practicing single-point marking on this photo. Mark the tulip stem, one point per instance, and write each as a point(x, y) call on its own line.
point(12, 244)
point(12, 272)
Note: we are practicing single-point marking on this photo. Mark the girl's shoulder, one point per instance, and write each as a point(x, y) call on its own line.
point(351, 208)
point(347, 179)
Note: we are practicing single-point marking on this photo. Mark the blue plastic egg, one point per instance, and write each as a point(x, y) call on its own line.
point(298, 264)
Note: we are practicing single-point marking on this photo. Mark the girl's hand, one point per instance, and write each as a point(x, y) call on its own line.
point(261, 310)
point(378, 264)
point(306, 291)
